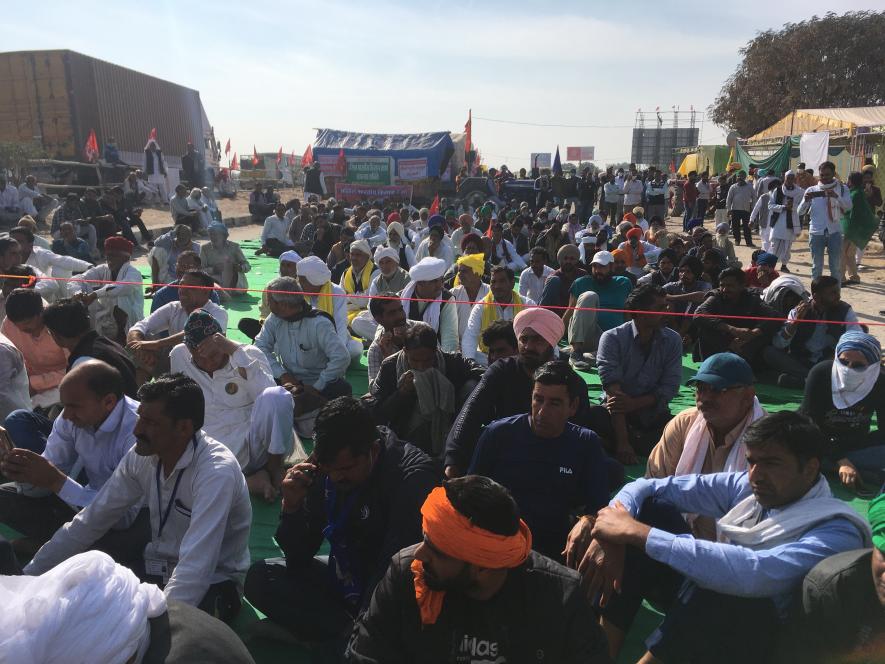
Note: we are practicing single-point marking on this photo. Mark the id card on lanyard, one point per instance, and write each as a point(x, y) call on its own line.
point(158, 566)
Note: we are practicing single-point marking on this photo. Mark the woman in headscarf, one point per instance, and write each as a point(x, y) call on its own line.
point(223, 259)
point(841, 396)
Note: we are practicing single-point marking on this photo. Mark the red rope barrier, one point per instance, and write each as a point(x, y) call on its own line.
point(419, 299)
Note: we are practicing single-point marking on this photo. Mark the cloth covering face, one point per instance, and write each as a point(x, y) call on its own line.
point(436, 399)
point(86, 609)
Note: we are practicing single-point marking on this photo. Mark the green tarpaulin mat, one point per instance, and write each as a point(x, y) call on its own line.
point(265, 517)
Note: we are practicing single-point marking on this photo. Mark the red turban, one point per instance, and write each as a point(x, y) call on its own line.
point(630, 217)
point(393, 216)
point(117, 243)
point(635, 232)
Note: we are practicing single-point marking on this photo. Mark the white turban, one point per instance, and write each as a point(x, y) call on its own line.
point(396, 227)
point(428, 269)
point(386, 252)
point(361, 246)
point(314, 269)
point(290, 256)
point(86, 609)
point(789, 173)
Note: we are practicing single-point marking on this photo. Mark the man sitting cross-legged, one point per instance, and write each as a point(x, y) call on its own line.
point(555, 470)
point(305, 354)
point(245, 409)
point(474, 591)
point(199, 505)
point(724, 601)
point(92, 435)
point(640, 367)
point(418, 389)
point(361, 491)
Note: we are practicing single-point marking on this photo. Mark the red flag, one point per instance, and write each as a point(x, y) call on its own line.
point(90, 150)
point(672, 166)
point(254, 155)
point(235, 163)
point(341, 164)
point(227, 148)
point(307, 159)
point(468, 129)
point(434, 207)
point(280, 156)
point(153, 134)
point(291, 159)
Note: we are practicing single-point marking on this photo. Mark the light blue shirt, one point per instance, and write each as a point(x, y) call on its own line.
point(656, 370)
point(728, 568)
point(309, 349)
point(97, 451)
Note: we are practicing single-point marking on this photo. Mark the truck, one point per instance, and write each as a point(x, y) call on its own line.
point(54, 98)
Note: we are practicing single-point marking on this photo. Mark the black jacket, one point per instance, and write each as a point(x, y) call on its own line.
point(385, 517)
point(101, 348)
point(393, 409)
point(540, 614)
point(505, 390)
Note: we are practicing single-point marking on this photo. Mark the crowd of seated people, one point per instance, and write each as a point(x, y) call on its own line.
point(471, 505)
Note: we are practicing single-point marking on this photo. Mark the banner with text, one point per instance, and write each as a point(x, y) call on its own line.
point(370, 170)
point(541, 159)
point(353, 192)
point(580, 154)
point(412, 169)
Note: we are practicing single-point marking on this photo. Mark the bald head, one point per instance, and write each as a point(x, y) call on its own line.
point(89, 393)
point(98, 377)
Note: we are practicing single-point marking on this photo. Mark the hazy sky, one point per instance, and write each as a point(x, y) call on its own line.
point(269, 71)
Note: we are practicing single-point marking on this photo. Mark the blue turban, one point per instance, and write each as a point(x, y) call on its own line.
point(436, 220)
point(863, 343)
point(766, 259)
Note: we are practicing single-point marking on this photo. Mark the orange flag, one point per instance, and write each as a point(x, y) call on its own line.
point(90, 150)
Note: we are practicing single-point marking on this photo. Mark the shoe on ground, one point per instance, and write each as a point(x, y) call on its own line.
point(580, 364)
point(790, 382)
point(785, 269)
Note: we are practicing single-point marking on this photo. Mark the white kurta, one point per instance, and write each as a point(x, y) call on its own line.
point(128, 296)
point(465, 307)
point(245, 409)
point(779, 230)
point(473, 334)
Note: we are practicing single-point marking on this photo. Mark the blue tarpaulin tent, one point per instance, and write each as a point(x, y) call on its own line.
point(436, 147)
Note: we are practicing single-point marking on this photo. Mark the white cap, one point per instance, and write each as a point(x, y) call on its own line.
point(602, 258)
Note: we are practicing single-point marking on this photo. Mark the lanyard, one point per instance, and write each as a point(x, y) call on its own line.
point(164, 516)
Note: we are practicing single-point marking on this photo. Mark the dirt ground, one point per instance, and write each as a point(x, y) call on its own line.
point(867, 298)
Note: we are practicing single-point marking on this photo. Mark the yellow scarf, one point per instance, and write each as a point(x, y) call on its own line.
point(365, 279)
point(490, 314)
point(325, 301)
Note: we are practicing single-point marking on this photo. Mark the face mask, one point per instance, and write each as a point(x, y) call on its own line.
point(852, 385)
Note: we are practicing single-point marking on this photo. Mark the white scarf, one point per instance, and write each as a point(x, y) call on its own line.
point(744, 524)
point(852, 385)
point(697, 443)
point(431, 313)
point(86, 609)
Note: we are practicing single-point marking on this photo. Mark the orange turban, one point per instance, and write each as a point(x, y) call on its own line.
point(452, 533)
point(635, 232)
point(619, 253)
point(630, 217)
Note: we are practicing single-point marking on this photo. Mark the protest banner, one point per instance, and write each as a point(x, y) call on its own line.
point(541, 159)
point(355, 192)
point(585, 153)
point(370, 170)
point(412, 169)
